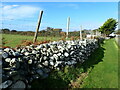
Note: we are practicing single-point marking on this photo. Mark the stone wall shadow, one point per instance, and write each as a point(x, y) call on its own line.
point(51, 82)
point(94, 58)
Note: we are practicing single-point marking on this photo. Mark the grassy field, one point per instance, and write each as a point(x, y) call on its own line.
point(14, 40)
point(105, 73)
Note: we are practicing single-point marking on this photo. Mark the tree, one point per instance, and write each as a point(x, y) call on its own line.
point(13, 30)
point(49, 29)
point(5, 30)
point(108, 27)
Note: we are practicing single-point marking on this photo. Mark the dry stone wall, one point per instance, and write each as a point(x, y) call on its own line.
point(22, 65)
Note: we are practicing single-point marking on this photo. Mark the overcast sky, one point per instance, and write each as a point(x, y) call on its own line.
point(23, 16)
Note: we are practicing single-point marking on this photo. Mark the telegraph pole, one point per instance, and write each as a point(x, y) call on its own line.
point(81, 32)
point(68, 24)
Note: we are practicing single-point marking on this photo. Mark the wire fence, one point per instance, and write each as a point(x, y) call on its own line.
point(30, 25)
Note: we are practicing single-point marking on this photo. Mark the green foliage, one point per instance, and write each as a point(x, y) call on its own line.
point(108, 27)
point(59, 79)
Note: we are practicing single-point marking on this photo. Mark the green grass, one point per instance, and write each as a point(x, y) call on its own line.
point(14, 40)
point(105, 73)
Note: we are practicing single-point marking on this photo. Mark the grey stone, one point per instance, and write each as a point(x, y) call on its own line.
point(34, 52)
point(52, 63)
point(40, 72)
point(12, 62)
point(59, 54)
point(5, 55)
point(36, 76)
point(46, 70)
point(66, 54)
point(7, 49)
point(16, 54)
point(19, 84)
point(7, 59)
point(6, 84)
point(11, 73)
point(45, 63)
point(26, 53)
point(30, 61)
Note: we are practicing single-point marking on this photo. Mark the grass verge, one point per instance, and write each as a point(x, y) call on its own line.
point(105, 73)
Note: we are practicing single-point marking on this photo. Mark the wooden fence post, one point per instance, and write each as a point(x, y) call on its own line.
point(68, 24)
point(38, 26)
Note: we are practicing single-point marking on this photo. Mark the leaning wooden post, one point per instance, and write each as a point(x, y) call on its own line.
point(81, 32)
point(68, 24)
point(38, 26)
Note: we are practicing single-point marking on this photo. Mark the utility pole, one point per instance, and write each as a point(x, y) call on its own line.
point(68, 24)
point(38, 26)
point(81, 32)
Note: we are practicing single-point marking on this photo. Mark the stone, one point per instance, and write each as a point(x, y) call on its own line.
point(35, 76)
point(6, 84)
point(16, 54)
point(29, 61)
point(7, 59)
point(55, 56)
point(34, 52)
point(19, 84)
point(46, 70)
point(72, 52)
point(69, 46)
point(40, 72)
point(45, 63)
point(59, 54)
point(45, 58)
point(5, 55)
point(20, 59)
point(12, 73)
point(26, 53)
point(52, 63)
point(8, 68)
point(12, 62)
point(52, 58)
point(23, 50)
point(7, 49)
point(66, 54)
point(39, 66)
point(44, 49)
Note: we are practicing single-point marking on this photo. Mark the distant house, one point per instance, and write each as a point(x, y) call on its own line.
point(112, 35)
point(91, 36)
point(57, 30)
